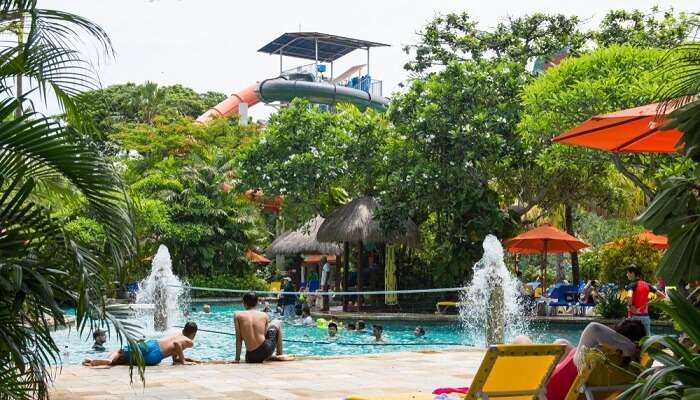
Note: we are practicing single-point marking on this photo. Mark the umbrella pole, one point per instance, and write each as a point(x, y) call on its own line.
point(544, 268)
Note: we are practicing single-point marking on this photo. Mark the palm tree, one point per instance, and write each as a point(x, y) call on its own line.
point(37, 155)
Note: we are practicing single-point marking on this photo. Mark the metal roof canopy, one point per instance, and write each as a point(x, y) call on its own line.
point(303, 45)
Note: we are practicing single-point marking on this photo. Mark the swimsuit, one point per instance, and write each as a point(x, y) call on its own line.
point(265, 350)
point(150, 350)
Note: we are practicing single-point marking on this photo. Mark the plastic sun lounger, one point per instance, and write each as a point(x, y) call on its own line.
point(442, 306)
point(602, 377)
point(507, 372)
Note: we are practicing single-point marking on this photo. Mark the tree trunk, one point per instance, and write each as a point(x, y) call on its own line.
point(569, 222)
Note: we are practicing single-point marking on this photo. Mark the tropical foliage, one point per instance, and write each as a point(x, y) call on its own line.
point(188, 195)
point(317, 159)
point(43, 159)
point(618, 255)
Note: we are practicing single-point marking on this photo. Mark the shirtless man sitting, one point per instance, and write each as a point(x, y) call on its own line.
point(154, 350)
point(261, 336)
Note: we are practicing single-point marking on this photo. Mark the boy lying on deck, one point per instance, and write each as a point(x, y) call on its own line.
point(154, 350)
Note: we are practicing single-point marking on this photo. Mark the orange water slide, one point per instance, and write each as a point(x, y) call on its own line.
point(229, 106)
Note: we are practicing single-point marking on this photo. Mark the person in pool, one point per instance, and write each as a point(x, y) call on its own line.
point(360, 326)
point(419, 331)
point(100, 337)
point(332, 329)
point(351, 326)
point(260, 335)
point(377, 331)
point(154, 350)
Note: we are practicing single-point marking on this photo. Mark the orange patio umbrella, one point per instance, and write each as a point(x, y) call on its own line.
point(544, 239)
point(256, 258)
point(658, 241)
point(635, 130)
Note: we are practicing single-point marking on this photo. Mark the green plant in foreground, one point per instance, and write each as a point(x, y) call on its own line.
point(678, 376)
point(39, 159)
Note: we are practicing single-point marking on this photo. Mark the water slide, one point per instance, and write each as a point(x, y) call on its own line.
point(284, 90)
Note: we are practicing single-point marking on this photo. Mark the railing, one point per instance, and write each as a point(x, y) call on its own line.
point(301, 69)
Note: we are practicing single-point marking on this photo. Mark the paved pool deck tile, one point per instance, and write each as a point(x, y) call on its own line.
point(306, 378)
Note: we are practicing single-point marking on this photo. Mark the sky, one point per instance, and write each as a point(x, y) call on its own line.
point(212, 44)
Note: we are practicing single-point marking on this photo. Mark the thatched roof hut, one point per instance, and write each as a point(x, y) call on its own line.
point(354, 222)
point(303, 240)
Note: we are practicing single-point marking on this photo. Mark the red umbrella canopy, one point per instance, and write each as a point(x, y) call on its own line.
point(256, 258)
point(658, 241)
point(545, 238)
point(635, 130)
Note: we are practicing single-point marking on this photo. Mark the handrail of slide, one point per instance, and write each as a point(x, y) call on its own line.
point(280, 89)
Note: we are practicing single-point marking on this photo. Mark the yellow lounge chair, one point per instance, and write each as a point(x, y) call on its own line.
point(442, 306)
point(602, 377)
point(507, 372)
point(275, 286)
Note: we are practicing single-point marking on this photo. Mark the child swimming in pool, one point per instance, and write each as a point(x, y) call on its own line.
point(100, 337)
point(332, 330)
point(419, 331)
point(153, 350)
point(377, 331)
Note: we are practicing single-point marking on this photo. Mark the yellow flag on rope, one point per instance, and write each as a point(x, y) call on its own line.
point(390, 277)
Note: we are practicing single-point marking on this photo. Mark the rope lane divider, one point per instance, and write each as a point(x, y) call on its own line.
point(347, 343)
point(329, 293)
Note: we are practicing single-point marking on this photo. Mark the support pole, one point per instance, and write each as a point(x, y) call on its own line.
point(316, 63)
point(360, 270)
point(346, 272)
point(336, 272)
point(280, 62)
point(368, 61)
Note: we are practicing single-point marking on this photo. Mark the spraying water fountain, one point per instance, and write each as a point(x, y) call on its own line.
point(163, 290)
point(491, 306)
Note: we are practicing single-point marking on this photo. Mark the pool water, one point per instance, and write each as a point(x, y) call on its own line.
point(306, 340)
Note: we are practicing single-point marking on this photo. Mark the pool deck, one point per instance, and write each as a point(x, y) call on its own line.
point(306, 378)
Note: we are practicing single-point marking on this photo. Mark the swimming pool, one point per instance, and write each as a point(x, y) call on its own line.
point(308, 340)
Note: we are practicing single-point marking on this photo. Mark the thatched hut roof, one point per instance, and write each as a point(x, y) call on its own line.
point(354, 222)
point(303, 240)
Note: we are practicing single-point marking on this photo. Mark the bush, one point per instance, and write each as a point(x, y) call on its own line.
point(615, 257)
point(249, 282)
point(611, 304)
point(589, 264)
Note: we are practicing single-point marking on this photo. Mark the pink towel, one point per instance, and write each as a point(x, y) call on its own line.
point(451, 390)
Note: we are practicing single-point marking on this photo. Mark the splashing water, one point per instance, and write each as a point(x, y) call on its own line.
point(491, 307)
point(162, 289)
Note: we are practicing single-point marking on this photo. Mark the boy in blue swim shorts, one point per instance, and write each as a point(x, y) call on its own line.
point(153, 350)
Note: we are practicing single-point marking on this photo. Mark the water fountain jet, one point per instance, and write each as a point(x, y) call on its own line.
point(163, 290)
point(491, 306)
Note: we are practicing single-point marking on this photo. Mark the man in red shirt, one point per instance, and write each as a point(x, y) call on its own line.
point(638, 296)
